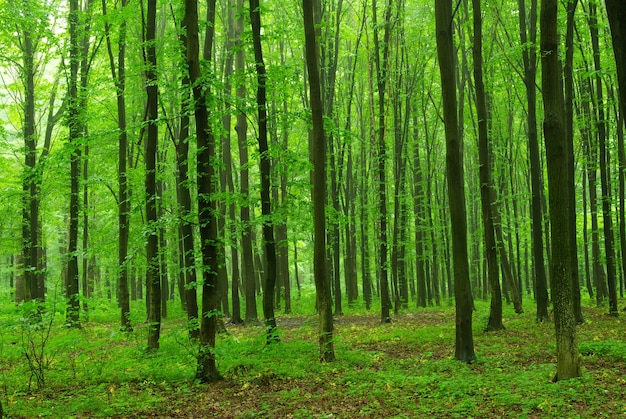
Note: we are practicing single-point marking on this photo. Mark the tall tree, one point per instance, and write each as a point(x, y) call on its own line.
point(528, 36)
point(381, 59)
point(118, 74)
point(617, 20)
point(265, 169)
point(75, 136)
point(153, 279)
point(568, 358)
point(568, 80)
point(247, 256)
point(228, 172)
point(607, 215)
point(486, 182)
point(28, 41)
point(206, 179)
point(454, 171)
point(322, 284)
point(183, 194)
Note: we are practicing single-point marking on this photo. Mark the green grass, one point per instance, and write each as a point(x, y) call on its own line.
point(404, 369)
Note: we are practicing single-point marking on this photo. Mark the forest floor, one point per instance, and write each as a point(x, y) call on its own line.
point(405, 369)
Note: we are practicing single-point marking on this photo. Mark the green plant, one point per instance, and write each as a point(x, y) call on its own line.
point(36, 324)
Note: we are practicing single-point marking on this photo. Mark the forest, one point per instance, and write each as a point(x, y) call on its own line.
point(347, 208)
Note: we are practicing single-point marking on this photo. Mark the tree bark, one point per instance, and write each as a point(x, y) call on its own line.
point(153, 279)
point(75, 136)
point(247, 255)
point(183, 195)
point(486, 182)
point(322, 285)
point(454, 170)
point(118, 74)
point(607, 215)
point(381, 155)
point(206, 181)
point(530, 74)
point(265, 168)
point(569, 130)
point(568, 358)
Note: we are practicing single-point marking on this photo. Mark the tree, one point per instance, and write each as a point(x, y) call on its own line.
point(247, 257)
point(381, 61)
point(322, 284)
point(454, 170)
point(153, 280)
point(568, 358)
point(187, 244)
point(265, 169)
point(486, 182)
point(604, 175)
point(528, 36)
point(118, 74)
point(75, 140)
point(617, 18)
point(206, 179)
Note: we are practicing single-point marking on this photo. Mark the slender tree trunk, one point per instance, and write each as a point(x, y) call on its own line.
point(228, 171)
point(569, 130)
point(568, 358)
point(162, 253)
point(75, 134)
point(30, 205)
point(454, 171)
point(381, 155)
point(322, 285)
point(616, 13)
point(206, 180)
point(265, 168)
point(247, 255)
point(607, 218)
point(530, 73)
point(153, 279)
point(183, 195)
point(118, 74)
point(486, 182)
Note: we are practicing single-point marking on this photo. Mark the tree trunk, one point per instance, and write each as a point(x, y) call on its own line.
point(118, 74)
point(206, 182)
point(247, 255)
point(183, 195)
point(75, 134)
point(228, 172)
point(530, 73)
point(153, 279)
point(265, 168)
point(454, 171)
point(569, 131)
point(322, 285)
point(381, 156)
point(486, 183)
point(607, 218)
point(557, 160)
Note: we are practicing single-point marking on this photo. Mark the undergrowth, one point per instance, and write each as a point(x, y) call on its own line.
point(402, 369)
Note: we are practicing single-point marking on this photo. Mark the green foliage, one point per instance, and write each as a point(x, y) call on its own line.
point(610, 349)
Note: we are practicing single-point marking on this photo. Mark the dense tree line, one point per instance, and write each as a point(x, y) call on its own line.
point(119, 122)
